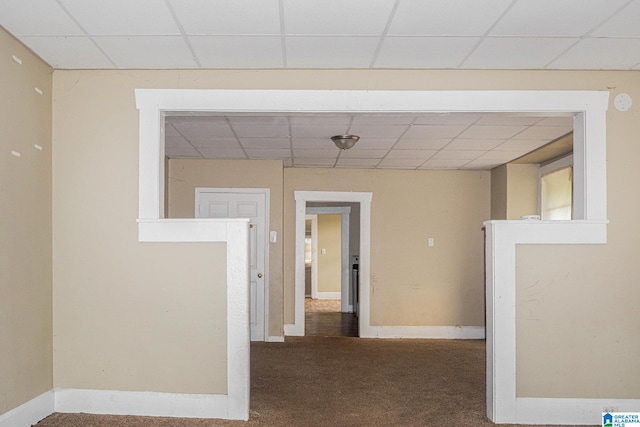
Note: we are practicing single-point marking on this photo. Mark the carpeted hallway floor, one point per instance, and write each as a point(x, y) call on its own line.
point(340, 381)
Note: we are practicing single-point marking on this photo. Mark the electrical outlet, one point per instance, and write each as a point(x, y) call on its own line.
point(430, 242)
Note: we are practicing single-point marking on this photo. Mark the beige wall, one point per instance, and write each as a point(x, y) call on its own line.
point(411, 284)
point(514, 191)
point(329, 262)
point(185, 175)
point(95, 188)
point(25, 231)
point(127, 315)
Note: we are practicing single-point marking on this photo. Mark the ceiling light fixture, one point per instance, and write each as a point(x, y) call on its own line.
point(344, 142)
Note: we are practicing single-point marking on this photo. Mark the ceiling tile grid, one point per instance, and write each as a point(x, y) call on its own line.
point(435, 34)
point(398, 141)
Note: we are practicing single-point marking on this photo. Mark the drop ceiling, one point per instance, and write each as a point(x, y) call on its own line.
point(460, 34)
point(394, 141)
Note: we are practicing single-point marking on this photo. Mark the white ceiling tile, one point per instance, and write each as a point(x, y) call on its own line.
point(411, 154)
point(194, 118)
point(542, 132)
point(175, 140)
point(312, 143)
point(517, 52)
point(330, 52)
point(380, 132)
point(622, 24)
point(355, 153)
point(68, 52)
point(319, 131)
point(265, 142)
point(444, 164)
point(262, 120)
point(555, 18)
point(566, 122)
point(261, 131)
point(424, 52)
point(433, 132)
point(123, 17)
point(320, 119)
point(500, 156)
point(521, 145)
point(483, 164)
point(382, 119)
point(339, 17)
point(222, 153)
point(444, 17)
point(225, 17)
point(601, 54)
point(238, 51)
point(498, 119)
point(214, 143)
point(147, 51)
point(325, 154)
point(400, 163)
point(36, 18)
point(458, 154)
point(274, 153)
point(203, 129)
point(446, 119)
point(376, 143)
point(491, 132)
point(169, 130)
point(417, 144)
point(473, 144)
point(357, 163)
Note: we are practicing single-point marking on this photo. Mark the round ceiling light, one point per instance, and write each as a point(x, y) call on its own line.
point(344, 142)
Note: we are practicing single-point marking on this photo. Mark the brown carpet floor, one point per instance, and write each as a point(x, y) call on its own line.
point(340, 381)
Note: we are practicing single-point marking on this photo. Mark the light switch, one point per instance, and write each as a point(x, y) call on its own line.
point(273, 236)
point(323, 251)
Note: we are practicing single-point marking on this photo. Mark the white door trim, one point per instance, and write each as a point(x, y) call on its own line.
point(267, 195)
point(302, 197)
point(344, 212)
point(590, 178)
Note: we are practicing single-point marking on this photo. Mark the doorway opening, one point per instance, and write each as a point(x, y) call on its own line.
point(332, 241)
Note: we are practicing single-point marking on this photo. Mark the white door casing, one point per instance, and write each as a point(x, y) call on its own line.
point(590, 203)
point(251, 204)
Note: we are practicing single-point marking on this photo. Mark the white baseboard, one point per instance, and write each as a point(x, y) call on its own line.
point(153, 404)
point(328, 295)
point(29, 413)
point(425, 332)
point(531, 410)
point(273, 338)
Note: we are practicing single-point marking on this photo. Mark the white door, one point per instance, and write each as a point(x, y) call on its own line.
point(215, 204)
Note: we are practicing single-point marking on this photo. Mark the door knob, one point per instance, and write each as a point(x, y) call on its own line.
point(259, 275)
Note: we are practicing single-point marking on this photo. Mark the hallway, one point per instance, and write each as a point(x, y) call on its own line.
point(323, 318)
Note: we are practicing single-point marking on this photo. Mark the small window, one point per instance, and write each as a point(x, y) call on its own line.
point(556, 194)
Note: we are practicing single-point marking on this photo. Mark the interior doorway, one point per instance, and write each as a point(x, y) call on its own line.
point(331, 241)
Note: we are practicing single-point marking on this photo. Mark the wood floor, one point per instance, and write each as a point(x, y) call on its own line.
point(323, 318)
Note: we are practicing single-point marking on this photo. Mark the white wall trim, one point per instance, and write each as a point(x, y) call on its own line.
point(590, 184)
point(328, 295)
point(301, 198)
point(235, 233)
point(427, 332)
point(138, 403)
point(275, 338)
point(570, 411)
point(501, 240)
point(31, 412)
